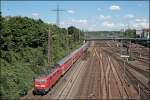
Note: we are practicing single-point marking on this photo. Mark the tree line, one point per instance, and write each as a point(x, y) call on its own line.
point(23, 50)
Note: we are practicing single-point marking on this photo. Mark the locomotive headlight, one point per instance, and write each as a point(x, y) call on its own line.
point(37, 85)
point(42, 85)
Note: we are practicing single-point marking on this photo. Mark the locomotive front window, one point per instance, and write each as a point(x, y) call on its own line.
point(57, 65)
point(41, 81)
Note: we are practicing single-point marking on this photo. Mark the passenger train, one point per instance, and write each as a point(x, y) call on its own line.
point(43, 83)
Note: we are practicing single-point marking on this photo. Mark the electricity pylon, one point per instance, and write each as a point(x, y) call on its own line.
point(57, 10)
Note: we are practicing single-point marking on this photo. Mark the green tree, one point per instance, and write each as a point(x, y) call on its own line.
point(23, 50)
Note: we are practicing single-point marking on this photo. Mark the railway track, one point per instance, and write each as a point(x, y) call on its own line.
point(99, 95)
point(130, 92)
point(103, 68)
point(101, 78)
point(91, 92)
point(107, 73)
point(137, 82)
point(119, 80)
point(64, 92)
point(56, 91)
point(144, 60)
point(85, 85)
point(125, 87)
point(94, 90)
point(140, 70)
point(61, 90)
point(145, 94)
point(92, 86)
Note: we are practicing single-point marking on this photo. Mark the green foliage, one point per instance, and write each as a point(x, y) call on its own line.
point(23, 50)
point(130, 33)
point(131, 58)
point(104, 34)
point(76, 33)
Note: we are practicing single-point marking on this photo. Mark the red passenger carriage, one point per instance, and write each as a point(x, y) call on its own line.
point(43, 84)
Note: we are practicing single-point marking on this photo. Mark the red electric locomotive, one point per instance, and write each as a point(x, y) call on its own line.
point(42, 84)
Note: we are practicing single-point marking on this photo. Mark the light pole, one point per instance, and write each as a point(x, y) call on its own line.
point(79, 35)
point(49, 51)
point(67, 42)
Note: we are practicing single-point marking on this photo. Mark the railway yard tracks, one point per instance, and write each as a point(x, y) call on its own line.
point(138, 76)
point(103, 75)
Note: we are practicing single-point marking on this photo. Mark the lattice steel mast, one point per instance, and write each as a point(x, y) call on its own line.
point(58, 10)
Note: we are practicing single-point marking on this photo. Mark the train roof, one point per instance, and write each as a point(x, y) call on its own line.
point(70, 55)
point(64, 59)
point(49, 72)
point(76, 51)
point(53, 69)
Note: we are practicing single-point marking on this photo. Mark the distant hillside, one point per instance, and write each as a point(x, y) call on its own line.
point(103, 34)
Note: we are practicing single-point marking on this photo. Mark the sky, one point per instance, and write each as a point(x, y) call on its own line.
point(86, 15)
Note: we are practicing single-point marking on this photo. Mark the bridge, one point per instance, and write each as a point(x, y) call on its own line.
point(115, 38)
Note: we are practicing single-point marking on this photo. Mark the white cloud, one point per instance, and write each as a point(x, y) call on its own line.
point(120, 25)
point(35, 14)
point(81, 23)
point(140, 20)
point(89, 25)
point(114, 7)
point(107, 24)
point(141, 25)
point(129, 16)
point(102, 17)
point(70, 11)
